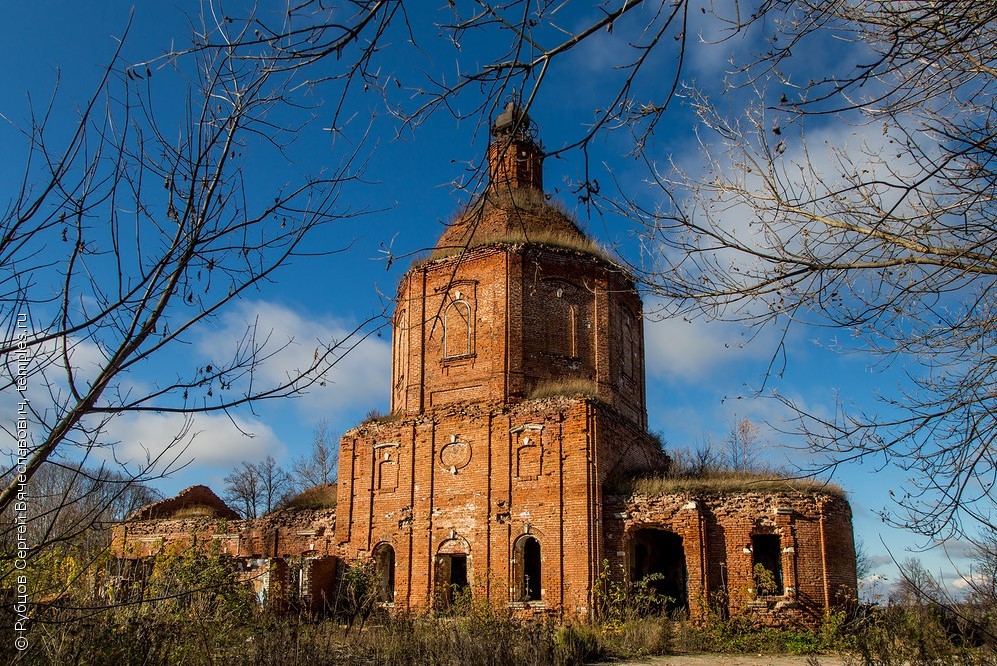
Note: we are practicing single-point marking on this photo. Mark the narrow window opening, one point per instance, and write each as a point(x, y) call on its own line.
point(573, 326)
point(528, 570)
point(384, 566)
point(629, 351)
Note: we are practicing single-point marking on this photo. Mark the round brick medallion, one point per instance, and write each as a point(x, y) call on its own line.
point(456, 454)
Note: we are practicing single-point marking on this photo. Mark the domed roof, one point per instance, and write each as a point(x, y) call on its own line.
point(514, 208)
point(514, 216)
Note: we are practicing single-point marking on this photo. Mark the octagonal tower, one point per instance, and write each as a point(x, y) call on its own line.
point(515, 301)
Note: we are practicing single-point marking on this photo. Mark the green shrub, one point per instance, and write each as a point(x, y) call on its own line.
point(198, 585)
point(619, 599)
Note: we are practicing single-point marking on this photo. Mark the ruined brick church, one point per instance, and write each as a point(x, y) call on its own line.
point(518, 420)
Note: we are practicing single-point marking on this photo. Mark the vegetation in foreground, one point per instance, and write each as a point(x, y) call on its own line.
point(192, 610)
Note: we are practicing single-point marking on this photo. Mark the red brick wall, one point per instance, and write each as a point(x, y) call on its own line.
point(536, 315)
point(196, 500)
point(468, 463)
point(474, 478)
point(513, 162)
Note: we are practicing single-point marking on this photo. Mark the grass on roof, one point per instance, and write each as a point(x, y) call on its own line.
point(553, 238)
point(531, 203)
point(729, 482)
point(317, 497)
point(568, 388)
point(194, 511)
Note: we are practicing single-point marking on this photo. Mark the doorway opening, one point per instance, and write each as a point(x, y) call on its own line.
point(384, 565)
point(659, 558)
point(452, 589)
point(766, 560)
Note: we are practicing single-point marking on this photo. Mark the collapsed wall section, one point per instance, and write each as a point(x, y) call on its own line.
point(288, 533)
point(287, 557)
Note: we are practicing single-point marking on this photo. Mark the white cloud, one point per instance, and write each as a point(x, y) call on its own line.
point(43, 376)
point(202, 440)
point(360, 378)
point(681, 349)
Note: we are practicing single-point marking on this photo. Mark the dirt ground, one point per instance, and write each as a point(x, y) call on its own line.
point(734, 660)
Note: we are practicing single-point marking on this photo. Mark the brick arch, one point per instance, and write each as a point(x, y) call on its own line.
point(452, 572)
point(529, 529)
point(455, 545)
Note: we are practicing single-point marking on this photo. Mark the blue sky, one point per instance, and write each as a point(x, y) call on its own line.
point(702, 376)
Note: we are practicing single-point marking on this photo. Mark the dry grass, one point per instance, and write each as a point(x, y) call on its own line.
point(552, 225)
point(194, 511)
point(566, 388)
point(318, 497)
point(526, 200)
point(555, 238)
point(722, 483)
point(377, 416)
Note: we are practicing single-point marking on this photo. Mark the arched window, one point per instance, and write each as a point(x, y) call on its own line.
point(528, 569)
point(457, 330)
point(384, 565)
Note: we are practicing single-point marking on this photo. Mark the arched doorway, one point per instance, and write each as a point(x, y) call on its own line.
point(527, 569)
point(658, 555)
point(452, 588)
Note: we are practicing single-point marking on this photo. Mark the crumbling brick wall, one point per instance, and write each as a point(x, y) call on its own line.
point(288, 556)
point(288, 533)
point(816, 559)
point(476, 480)
point(196, 500)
